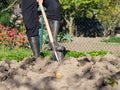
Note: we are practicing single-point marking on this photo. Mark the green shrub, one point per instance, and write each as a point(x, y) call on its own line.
point(11, 37)
point(4, 18)
point(62, 37)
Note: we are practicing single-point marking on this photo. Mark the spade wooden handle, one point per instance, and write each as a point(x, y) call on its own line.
point(46, 23)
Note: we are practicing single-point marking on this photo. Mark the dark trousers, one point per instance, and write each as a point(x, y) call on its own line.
point(31, 17)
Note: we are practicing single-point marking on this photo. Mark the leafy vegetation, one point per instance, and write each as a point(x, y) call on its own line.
point(97, 53)
point(112, 82)
point(45, 53)
point(62, 37)
point(79, 54)
point(19, 54)
point(74, 54)
point(112, 40)
point(107, 12)
point(11, 37)
point(6, 11)
point(109, 15)
point(4, 18)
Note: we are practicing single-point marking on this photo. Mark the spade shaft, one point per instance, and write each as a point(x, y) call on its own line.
point(49, 32)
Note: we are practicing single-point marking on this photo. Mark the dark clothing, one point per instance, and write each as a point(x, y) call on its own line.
point(31, 17)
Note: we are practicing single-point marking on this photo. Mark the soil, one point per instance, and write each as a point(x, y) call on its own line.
point(84, 73)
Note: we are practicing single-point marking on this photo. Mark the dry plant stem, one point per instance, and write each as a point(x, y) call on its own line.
point(10, 6)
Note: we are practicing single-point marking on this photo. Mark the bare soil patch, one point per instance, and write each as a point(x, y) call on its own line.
point(85, 73)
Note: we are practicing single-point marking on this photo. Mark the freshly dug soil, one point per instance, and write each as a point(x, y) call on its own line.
point(84, 73)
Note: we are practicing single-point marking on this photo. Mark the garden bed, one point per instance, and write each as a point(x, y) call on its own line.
point(84, 73)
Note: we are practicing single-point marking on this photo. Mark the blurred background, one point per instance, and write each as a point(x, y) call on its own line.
point(86, 25)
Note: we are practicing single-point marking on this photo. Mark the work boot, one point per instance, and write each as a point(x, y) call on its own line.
point(57, 47)
point(54, 25)
point(35, 46)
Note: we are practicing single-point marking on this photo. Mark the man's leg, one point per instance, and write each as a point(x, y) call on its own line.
point(54, 24)
point(53, 14)
point(53, 9)
point(30, 17)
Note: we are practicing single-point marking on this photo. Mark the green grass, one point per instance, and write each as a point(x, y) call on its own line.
point(112, 40)
point(14, 54)
point(19, 54)
point(45, 53)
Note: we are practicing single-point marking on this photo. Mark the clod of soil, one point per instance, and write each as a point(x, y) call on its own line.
point(84, 73)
